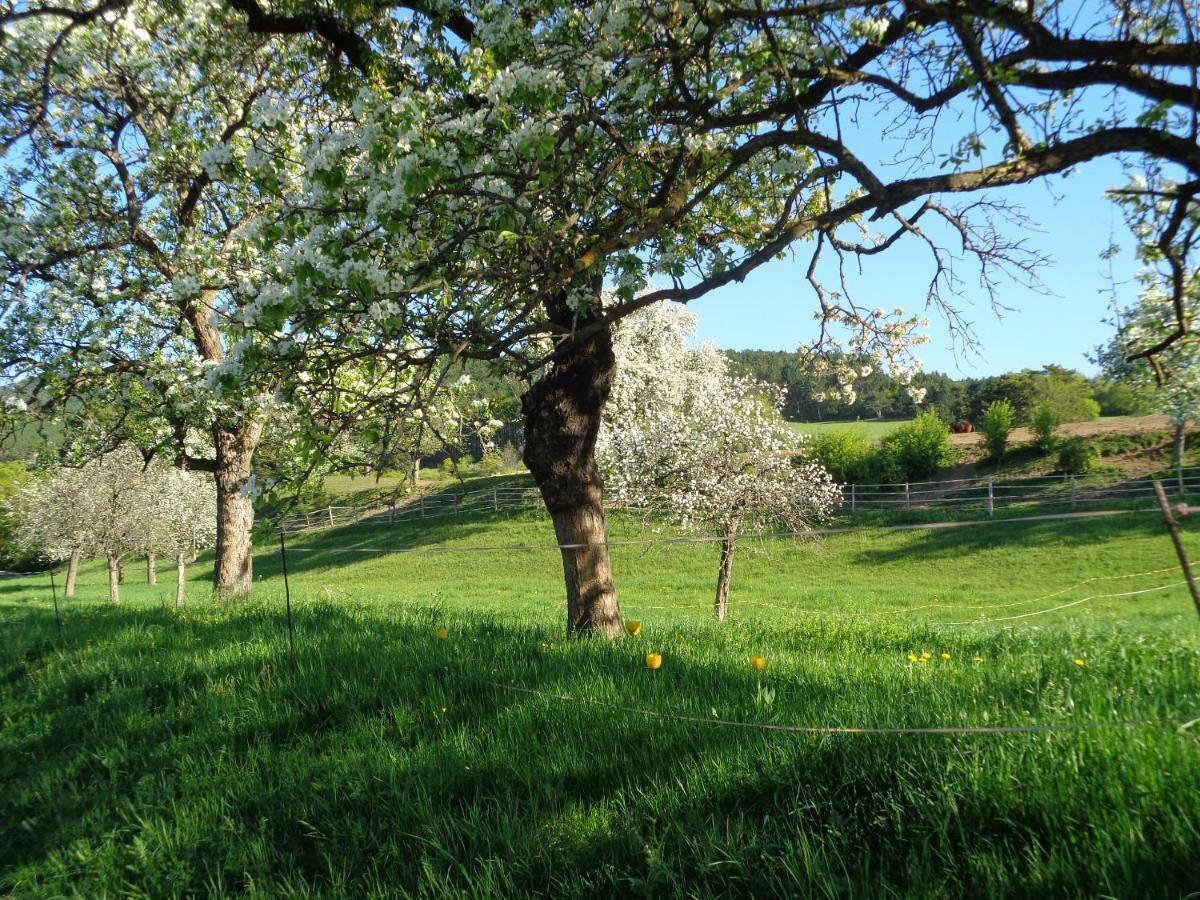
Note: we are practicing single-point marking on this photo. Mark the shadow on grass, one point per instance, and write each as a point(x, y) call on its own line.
point(164, 754)
point(963, 541)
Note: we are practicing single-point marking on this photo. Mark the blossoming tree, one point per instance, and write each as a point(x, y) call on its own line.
point(682, 436)
point(126, 234)
point(506, 161)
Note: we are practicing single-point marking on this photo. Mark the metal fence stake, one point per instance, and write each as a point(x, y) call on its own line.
point(1173, 530)
point(287, 592)
point(57, 615)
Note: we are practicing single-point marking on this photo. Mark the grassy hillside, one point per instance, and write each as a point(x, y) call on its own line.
point(154, 753)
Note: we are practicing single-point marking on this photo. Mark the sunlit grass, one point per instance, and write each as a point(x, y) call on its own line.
point(443, 737)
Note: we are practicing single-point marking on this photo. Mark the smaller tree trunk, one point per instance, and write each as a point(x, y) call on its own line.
point(180, 578)
point(414, 470)
point(72, 572)
point(151, 568)
point(120, 570)
point(114, 578)
point(725, 573)
point(1180, 447)
point(195, 554)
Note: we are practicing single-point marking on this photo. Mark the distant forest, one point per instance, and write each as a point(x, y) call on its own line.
point(880, 396)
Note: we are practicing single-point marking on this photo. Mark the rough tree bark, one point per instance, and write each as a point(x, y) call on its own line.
point(725, 572)
point(234, 564)
point(151, 568)
point(120, 570)
point(72, 572)
point(562, 418)
point(180, 578)
point(114, 578)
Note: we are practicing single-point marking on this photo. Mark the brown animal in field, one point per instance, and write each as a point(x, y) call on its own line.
point(962, 427)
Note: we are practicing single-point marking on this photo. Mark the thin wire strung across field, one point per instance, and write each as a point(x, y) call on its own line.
point(844, 729)
point(695, 539)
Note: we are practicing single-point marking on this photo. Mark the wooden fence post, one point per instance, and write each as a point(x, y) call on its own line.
point(853, 498)
point(991, 498)
point(907, 497)
point(1173, 530)
point(1073, 500)
point(495, 501)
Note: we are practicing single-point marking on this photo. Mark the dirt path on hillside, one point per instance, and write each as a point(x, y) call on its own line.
point(1116, 425)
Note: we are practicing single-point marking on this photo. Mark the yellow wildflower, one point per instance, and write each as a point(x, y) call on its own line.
point(634, 627)
point(653, 661)
point(945, 655)
point(442, 633)
point(758, 662)
point(1080, 662)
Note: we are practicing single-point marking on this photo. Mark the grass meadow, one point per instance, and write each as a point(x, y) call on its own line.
point(153, 753)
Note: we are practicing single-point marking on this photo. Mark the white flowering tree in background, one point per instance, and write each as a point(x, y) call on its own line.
point(485, 169)
point(1170, 378)
point(52, 519)
point(683, 437)
point(180, 519)
point(115, 505)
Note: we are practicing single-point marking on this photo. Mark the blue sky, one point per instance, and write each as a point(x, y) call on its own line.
point(773, 308)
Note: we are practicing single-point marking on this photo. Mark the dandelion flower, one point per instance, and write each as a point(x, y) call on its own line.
point(979, 659)
point(945, 655)
point(442, 633)
point(1080, 662)
point(758, 662)
point(634, 627)
point(912, 658)
point(653, 661)
point(925, 654)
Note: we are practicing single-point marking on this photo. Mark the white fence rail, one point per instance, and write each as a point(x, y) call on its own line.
point(988, 493)
point(423, 507)
point(991, 493)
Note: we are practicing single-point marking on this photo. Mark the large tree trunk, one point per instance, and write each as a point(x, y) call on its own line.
point(151, 568)
point(725, 573)
point(562, 418)
point(234, 565)
point(72, 572)
point(114, 578)
point(180, 579)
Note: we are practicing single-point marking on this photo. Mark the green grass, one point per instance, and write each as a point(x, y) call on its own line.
point(872, 429)
point(158, 754)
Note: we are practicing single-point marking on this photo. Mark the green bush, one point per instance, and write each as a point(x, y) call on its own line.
point(1045, 422)
point(492, 463)
point(846, 454)
point(918, 449)
point(12, 555)
point(1076, 455)
point(996, 425)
